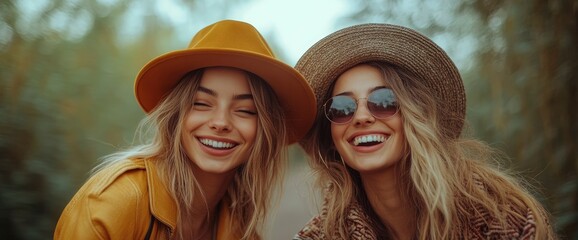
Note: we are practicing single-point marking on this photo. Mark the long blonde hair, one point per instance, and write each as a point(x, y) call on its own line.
point(255, 182)
point(448, 180)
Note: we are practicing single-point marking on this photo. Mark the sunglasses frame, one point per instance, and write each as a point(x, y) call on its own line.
point(356, 101)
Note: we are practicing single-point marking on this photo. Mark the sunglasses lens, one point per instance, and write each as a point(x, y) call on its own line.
point(382, 103)
point(340, 109)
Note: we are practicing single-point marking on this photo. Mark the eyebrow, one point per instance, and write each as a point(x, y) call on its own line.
point(349, 93)
point(235, 97)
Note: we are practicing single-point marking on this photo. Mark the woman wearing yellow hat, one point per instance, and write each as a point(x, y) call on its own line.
point(220, 115)
point(386, 144)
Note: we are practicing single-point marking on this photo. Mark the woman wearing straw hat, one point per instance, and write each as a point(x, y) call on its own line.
point(220, 114)
point(387, 148)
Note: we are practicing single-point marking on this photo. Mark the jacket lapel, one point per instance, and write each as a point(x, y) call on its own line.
point(162, 205)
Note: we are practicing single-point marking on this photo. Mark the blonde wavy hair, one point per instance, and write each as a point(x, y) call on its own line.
point(448, 180)
point(255, 183)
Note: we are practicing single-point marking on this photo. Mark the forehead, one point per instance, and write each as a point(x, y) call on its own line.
point(225, 80)
point(359, 80)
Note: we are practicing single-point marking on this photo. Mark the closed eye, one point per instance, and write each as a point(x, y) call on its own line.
point(248, 112)
point(201, 106)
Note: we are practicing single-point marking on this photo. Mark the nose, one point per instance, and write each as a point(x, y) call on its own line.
point(220, 121)
point(362, 116)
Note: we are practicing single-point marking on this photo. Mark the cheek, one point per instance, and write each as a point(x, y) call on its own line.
point(337, 132)
point(195, 118)
point(189, 122)
point(248, 129)
point(397, 124)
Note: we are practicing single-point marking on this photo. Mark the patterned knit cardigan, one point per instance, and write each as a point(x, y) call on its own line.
point(480, 227)
point(519, 225)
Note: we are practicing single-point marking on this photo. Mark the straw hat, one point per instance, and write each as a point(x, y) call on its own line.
point(232, 44)
point(396, 45)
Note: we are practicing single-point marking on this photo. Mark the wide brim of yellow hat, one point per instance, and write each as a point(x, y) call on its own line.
point(161, 74)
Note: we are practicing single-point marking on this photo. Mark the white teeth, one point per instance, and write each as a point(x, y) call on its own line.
point(368, 138)
point(216, 144)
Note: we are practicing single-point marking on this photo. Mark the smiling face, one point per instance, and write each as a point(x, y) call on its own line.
point(220, 128)
point(366, 144)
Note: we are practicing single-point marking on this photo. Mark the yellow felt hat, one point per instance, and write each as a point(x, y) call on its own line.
point(233, 44)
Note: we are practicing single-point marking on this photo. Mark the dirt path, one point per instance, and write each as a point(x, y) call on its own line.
point(296, 206)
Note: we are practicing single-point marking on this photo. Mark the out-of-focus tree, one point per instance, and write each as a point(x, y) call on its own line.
point(520, 66)
point(527, 71)
point(66, 75)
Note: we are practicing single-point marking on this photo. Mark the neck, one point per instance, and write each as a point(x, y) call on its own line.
point(384, 195)
point(206, 201)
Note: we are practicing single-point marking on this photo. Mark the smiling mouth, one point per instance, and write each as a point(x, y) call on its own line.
point(217, 144)
point(369, 140)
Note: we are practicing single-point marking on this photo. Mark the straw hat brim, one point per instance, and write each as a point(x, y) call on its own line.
point(292, 90)
point(403, 47)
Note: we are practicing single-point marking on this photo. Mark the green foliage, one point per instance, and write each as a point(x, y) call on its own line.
point(527, 74)
point(66, 100)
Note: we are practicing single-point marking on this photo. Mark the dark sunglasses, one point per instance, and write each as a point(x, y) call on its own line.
point(381, 103)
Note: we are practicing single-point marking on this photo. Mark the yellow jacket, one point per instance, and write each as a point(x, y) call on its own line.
point(120, 201)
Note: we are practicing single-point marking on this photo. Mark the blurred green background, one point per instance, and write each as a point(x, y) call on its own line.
point(67, 69)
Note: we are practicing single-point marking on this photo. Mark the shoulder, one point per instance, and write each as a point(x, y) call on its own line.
point(122, 180)
point(516, 218)
point(519, 224)
point(128, 175)
point(312, 230)
point(357, 221)
point(113, 201)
